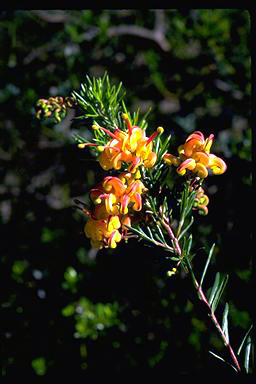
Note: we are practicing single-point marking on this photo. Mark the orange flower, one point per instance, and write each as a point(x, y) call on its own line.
point(132, 147)
point(103, 232)
point(195, 156)
point(112, 198)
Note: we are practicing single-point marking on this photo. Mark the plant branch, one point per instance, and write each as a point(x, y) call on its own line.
point(157, 34)
point(175, 242)
point(201, 295)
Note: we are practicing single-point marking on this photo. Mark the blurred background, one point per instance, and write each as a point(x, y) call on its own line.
point(64, 307)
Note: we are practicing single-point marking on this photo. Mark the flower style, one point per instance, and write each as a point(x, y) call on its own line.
point(112, 198)
point(132, 147)
point(195, 156)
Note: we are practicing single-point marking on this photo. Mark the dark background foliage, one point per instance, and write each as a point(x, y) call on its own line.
point(64, 308)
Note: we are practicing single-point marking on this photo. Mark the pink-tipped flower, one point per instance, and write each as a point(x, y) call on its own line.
point(194, 156)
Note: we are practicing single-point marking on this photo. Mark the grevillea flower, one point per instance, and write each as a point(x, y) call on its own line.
point(103, 232)
point(132, 147)
point(113, 198)
point(195, 156)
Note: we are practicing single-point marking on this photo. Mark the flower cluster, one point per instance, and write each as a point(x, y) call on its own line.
point(113, 198)
point(132, 147)
point(54, 106)
point(195, 156)
point(116, 195)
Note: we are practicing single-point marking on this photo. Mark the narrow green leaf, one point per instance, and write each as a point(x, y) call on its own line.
point(175, 258)
point(139, 232)
point(158, 238)
point(79, 139)
point(124, 107)
point(247, 354)
point(207, 264)
point(217, 356)
point(160, 233)
point(244, 339)
point(190, 201)
point(150, 233)
point(187, 263)
point(165, 143)
point(225, 322)
point(221, 358)
point(189, 243)
point(220, 289)
point(186, 229)
point(214, 288)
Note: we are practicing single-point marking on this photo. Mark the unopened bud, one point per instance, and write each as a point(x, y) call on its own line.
point(160, 130)
point(81, 145)
point(172, 272)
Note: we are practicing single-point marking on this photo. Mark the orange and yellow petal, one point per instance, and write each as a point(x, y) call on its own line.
point(208, 143)
point(217, 165)
point(201, 157)
point(126, 220)
point(201, 170)
point(114, 238)
point(203, 210)
point(151, 160)
point(189, 164)
point(124, 201)
point(113, 223)
point(170, 159)
point(136, 162)
point(136, 199)
point(114, 184)
point(109, 201)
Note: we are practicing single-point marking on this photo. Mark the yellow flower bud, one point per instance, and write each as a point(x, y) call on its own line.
point(160, 130)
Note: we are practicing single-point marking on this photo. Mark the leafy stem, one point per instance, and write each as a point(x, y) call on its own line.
point(201, 295)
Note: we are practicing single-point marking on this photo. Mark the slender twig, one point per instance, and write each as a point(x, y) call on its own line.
point(217, 325)
point(52, 16)
point(173, 238)
point(157, 34)
point(201, 295)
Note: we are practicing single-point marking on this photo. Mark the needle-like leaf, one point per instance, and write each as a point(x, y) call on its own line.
point(214, 288)
point(244, 339)
point(247, 354)
point(186, 229)
point(225, 322)
point(207, 264)
point(217, 290)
